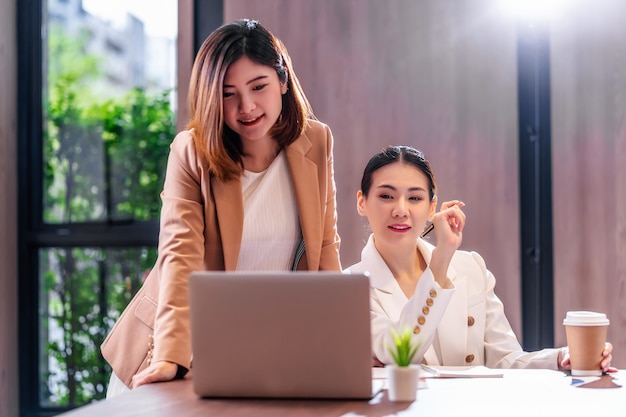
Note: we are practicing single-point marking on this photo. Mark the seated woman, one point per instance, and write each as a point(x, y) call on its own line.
point(445, 295)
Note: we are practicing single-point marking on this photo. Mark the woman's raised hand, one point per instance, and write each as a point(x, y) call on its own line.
point(449, 223)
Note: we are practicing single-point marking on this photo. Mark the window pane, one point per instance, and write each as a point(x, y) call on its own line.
point(108, 108)
point(83, 291)
point(109, 117)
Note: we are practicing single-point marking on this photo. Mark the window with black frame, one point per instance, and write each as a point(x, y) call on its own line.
point(94, 169)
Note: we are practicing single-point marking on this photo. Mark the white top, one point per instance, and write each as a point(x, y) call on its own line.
point(271, 228)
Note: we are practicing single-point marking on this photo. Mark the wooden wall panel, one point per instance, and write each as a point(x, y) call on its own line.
point(185, 56)
point(440, 76)
point(8, 211)
point(589, 146)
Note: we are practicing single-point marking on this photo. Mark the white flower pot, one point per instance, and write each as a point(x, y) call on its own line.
point(402, 382)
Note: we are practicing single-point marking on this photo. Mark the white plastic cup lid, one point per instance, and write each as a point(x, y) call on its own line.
point(585, 318)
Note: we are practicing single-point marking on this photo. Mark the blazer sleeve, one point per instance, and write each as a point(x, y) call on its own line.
point(329, 258)
point(181, 251)
point(502, 349)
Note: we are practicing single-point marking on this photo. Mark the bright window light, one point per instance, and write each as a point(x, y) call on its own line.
point(535, 10)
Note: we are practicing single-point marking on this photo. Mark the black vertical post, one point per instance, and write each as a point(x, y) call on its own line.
point(533, 55)
point(30, 16)
point(208, 15)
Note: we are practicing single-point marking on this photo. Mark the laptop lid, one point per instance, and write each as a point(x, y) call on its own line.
point(281, 334)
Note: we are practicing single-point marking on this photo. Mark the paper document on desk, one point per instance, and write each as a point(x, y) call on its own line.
point(460, 372)
point(448, 372)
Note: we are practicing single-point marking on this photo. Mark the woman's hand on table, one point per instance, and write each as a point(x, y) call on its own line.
point(157, 372)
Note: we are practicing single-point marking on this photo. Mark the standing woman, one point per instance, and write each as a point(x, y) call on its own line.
point(444, 295)
point(249, 186)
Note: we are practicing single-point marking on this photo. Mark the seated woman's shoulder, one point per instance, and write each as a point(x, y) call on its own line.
point(469, 258)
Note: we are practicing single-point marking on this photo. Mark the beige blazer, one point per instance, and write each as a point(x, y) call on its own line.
point(201, 228)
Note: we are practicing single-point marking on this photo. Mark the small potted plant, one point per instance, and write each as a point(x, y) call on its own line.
point(403, 376)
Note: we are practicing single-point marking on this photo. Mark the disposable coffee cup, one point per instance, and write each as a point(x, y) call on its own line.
point(586, 337)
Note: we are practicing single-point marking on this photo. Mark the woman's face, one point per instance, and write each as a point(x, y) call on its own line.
point(252, 99)
point(398, 205)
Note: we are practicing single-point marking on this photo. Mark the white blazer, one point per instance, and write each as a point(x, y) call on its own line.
point(465, 325)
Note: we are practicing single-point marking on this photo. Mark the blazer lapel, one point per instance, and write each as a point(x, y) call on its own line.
point(304, 176)
point(389, 294)
point(229, 208)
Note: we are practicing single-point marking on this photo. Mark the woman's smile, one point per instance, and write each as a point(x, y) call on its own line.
point(251, 122)
point(399, 228)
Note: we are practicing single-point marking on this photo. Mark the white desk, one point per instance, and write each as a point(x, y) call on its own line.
point(521, 393)
point(528, 393)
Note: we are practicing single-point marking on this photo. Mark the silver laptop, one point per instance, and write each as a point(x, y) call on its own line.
point(281, 335)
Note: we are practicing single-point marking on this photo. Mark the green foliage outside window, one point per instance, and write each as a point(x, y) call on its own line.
point(104, 162)
point(104, 159)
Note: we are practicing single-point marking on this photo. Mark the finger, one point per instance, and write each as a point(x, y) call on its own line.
point(447, 204)
point(137, 381)
point(143, 377)
point(457, 220)
point(152, 375)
